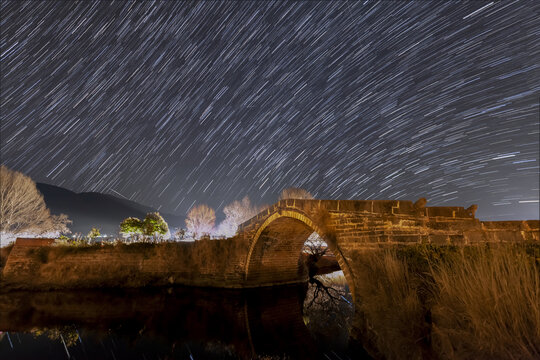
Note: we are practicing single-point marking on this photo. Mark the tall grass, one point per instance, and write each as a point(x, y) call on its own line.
point(488, 306)
point(391, 305)
point(451, 302)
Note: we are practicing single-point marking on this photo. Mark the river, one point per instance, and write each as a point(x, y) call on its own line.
point(309, 321)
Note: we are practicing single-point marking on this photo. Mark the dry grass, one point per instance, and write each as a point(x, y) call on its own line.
point(336, 278)
point(391, 305)
point(488, 306)
point(452, 302)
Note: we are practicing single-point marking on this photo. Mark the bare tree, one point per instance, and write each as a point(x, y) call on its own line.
point(180, 234)
point(328, 307)
point(22, 208)
point(60, 223)
point(200, 220)
point(295, 193)
point(314, 249)
point(236, 213)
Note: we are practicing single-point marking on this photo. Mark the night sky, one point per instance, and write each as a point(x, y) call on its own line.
point(172, 104)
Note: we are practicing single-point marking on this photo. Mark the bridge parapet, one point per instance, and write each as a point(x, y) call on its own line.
point(357, 209)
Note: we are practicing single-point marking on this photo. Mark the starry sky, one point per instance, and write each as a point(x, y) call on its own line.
point(172, 104)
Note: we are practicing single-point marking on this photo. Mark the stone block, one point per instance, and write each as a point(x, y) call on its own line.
point(439, 239)
point(384, 206)
point(460, 212)
point(406, 238)
point(330, 205)
point(404, 208)
point(440, 211)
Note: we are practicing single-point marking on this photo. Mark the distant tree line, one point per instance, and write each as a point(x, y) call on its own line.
point(23, 211)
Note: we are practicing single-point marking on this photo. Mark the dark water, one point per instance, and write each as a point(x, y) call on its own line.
point(293, 322)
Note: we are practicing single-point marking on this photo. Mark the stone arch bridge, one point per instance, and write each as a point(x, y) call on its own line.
point(265, 251)
point(276, 235)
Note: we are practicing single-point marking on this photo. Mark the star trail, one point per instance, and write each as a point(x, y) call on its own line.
point(172, 104)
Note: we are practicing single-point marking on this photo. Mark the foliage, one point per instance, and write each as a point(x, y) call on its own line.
point(295, 193)
point(22, 208)
point(154, 225)
point(62, 240)
point(200, 220)
point(68, 334)
point(94, 233)
point(76, 240)
point(131, 226)
point(489, 306)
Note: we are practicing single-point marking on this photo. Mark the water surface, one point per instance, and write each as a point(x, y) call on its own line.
point(292, 322)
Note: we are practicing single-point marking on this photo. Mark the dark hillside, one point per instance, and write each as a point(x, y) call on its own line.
point(90, 209)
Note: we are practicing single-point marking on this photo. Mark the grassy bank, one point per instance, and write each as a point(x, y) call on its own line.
point(452, 302)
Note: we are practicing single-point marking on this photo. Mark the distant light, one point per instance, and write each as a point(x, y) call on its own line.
point(527, 201)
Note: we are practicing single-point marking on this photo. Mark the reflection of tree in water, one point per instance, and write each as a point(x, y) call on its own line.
point(328, 309)
point(67, 334)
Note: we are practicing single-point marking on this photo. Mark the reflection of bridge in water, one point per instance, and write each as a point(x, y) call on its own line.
point(209, 323)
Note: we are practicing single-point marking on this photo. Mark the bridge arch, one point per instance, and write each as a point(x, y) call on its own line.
point(274, 252)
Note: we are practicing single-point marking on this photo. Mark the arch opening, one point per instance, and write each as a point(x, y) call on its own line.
point(278, 254)
point(273, 256)
point(328, 307)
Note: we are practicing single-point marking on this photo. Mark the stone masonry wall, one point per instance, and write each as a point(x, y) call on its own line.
point(214, 263)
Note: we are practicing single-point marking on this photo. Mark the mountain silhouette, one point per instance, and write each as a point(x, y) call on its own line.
point(93, 209)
